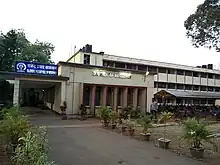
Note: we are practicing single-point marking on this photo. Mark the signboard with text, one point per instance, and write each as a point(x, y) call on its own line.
point(102, 73)
point(36, 68)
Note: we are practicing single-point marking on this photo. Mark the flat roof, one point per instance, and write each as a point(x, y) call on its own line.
point(102, 67)
point(188, 94)
point(12, 75)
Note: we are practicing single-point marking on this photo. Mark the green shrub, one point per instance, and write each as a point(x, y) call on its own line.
point(145, 122)
point(32, 149)
point(104, 113)
point(195, 131)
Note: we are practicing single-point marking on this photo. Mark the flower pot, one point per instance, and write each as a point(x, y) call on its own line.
point(197, 152)
point(131, 132)
point(164, 143)
point(106, 124)
point(123, 128)
point(146, 136)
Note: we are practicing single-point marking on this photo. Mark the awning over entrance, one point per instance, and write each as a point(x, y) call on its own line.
point(187, 94)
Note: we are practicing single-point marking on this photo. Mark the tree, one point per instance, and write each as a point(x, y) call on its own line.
point(203, 27)
point(15, 46)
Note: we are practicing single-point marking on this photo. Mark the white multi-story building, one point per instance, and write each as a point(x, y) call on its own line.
point(187, 84)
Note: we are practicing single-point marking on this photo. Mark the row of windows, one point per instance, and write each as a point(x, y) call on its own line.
point(185, 87)
point(158, 69)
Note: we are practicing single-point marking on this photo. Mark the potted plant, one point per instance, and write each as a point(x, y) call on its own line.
point(104, 114)
point(164, 142)
point(63, 110)
point(83, 112)
point(195, 131)
point(113, 119)
point(131, 129)
point(146, 123)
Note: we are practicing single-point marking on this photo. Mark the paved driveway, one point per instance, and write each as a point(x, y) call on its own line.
point(78, 143)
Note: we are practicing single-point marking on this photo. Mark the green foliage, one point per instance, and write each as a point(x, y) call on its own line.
point(203, 26)
point(130, 125)
point(104, 113)
point(145, 121)
point(32, 149)
point(14, 126)
point(113, 116)
point(165, 116)
point(195, 131)
point(15, 46)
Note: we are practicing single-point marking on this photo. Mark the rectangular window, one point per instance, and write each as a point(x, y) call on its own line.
point(162, 70)
point(195, 74)
point(180, 72)
point(152, 69)
point(188, 87)
point(162, 85)
point(131, 66)
point(203, 75)
point(203, 88)
point(211, 76)
point(86, 59)
point(108, 63)
point(180, 86)
point(142, 67)
point(171, 86)
point(210, 89)
point(217, 89)
point(217, 76)
point(195, 87)
point(188, 73)
point(119, 65)
point(171, 71)
point(155, 84)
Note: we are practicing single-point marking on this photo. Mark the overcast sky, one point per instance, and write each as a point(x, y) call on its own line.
point(148, 29)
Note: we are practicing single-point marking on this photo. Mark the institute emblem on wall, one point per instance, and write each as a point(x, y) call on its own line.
point(21, 67)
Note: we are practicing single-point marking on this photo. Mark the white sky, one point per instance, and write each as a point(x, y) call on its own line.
point(149, 29)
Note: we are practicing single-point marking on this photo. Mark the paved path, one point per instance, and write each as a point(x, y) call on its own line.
point(76, 143)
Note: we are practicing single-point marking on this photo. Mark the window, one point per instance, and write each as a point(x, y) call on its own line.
point(203, 101)
point(142, 67)
point(188, 73)
point(131, 66)
point(171, 71)
point(171, 86)
point(210, 89)
point(161, 85)
point(119, 65)
point(180, 86)
point(195, 87)
point(217, 76)
point(210, 76)
point(217, 89)
point(203, 75)
point(162, 70)
point(180, 72)
point(152, 69)
point(86, 59)
point(195, 74)
point(203, 88)
point(108, 63)
point(188, 87)
point(155, 84)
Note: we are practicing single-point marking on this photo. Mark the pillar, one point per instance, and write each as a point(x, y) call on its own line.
point(115, 99)
point(16, 92)
point(104, 95)
point(63, 92)
point(135, 97)
point(125, 97)
point(81, 92)
point(143, 99)
point(150, 95)
point(92, 99)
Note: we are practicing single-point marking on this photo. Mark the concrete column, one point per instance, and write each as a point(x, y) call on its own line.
point(92, 99)
point(115, 99)
point(104, 95)
point(150, 95)
point(63, 92)
point(16, 92)
point(81, 92)
point(143, 99)
point(135, 97)
point(125, 97)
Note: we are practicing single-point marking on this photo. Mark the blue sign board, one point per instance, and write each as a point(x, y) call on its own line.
point(36, 68)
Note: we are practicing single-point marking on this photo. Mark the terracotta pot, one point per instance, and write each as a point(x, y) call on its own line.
point(197, 152)
point(131, 132)
point(113, 126)
point(146, 136)
point(164, 143)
